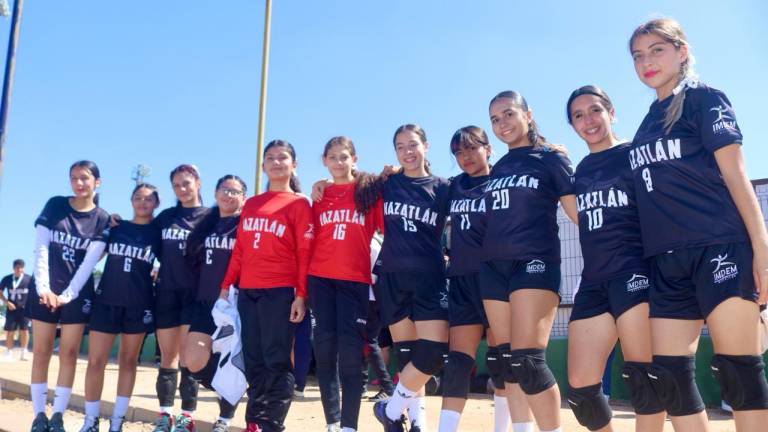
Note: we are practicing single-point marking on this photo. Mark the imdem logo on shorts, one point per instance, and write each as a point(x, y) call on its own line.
point(637, 282)
point(147, 319)
point(86, 306)
point(535, 266)
point(724, 270)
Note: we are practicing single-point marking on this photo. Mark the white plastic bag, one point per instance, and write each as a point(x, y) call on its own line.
point(764, 329)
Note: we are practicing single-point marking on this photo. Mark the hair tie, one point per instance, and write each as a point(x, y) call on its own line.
point(691, 81)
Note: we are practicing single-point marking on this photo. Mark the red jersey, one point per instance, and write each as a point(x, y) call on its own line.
point(342, 246)
point(273, 243)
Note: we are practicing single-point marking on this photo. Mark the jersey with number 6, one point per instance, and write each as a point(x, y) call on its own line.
point(72, 232)
point(217, 249)
point(127, 277)
point(467, 210)
point(414, 218)
point(342, 246)
point(681, 198)
point(609, 228)
point(521, 204)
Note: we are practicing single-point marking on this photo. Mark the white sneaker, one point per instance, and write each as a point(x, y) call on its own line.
point(334, 427)
point(25, 354)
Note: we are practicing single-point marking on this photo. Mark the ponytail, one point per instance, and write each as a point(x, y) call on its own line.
point(368, 188)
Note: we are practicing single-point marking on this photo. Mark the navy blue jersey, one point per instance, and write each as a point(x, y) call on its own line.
point(127, 277)
point(216, 250)
point(414, 218)
point(467, 210)
point(17, 288)
point(681, 197)
point(609, 228)
point(521, 204)
point(175, 224)
point(72, 232)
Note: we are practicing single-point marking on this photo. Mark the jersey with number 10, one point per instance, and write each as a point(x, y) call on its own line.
point(414, 217)
point(341, 249)
point(521, 204)
point(682, 199)
point(127, 277)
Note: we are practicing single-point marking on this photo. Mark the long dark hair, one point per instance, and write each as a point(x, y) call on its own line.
point(368, 186)
point(196, 238)
point(93, 169)
point(191, 170)
point(412, 127)
point(536, 138)
point(294, 181)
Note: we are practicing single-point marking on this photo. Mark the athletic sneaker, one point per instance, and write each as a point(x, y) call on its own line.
point(184, 423)
point(380, 412)
point(91, 424)
point(220, 426)
point(381, 395)
point(163, 423)
point(116, 424)
point(40, 423)
point(56, 424)
point(333, 427)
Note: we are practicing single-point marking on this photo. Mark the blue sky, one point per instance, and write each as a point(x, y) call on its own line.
point(166, 82)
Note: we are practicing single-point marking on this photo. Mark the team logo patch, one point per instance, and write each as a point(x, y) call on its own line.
point(724, 270)
point(86, 306)
point(723, 120)
point(637, 282)
point(309, 234)
point(444, 300)
point(535, 267)
point(147, 319)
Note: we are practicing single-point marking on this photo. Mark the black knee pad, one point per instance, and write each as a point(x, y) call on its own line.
point(742, 381)
point(495, 366)
point(644, 399)
point(226, 409)
point(188, 387)
point(458, 371)
point(505, 354)
point(404, 352)
point(590, 406)
point(205, 375)
point(167, 379)
point(674, 380)
point(429, 356)
point(530, 368)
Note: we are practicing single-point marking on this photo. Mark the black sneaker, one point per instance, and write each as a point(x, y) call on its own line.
point(381, 395)
point(56, 423)
point(40, 423)
point(116, 424)
point(380, 412)
point(220, 426)
point(91, 424)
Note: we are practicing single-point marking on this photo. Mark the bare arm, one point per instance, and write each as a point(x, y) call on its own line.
point(731, 163)
point(569, 207)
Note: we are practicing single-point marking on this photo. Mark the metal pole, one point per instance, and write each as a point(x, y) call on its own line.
point(10, 66)
point(263, 98)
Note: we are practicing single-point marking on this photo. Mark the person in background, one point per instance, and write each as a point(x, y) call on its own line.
point(17, 286)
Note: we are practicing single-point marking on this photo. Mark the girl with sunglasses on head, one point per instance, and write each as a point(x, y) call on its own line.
point(612, 299)
point(174, 300)
point(702, 230)
point(269, 266)
point(71, 233)
point(123, 305)
point(209, 246)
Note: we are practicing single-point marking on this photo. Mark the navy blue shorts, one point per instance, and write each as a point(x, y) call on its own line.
point(500, 278)
point(122, 319)
point(616, 296)
point(174, 308)
point(78, 311)
point(465, 304)
point(690, 283)
point(418, 296)
point(16, 320)
point(201, 318)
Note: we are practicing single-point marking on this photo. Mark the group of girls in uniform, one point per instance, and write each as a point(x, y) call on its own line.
point(669, 225)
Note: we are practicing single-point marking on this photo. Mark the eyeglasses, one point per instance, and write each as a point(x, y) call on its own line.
point(231, 192)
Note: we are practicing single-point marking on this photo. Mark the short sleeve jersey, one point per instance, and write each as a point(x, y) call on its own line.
point(18, 288)
point(467, 210)
point(127, 277)
point(342, 244)
point(521, 204)
point(175, 224)
point(609, 227)
point(71, 232)
point(414, 218)
point(217, 249)
point(681, 198)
